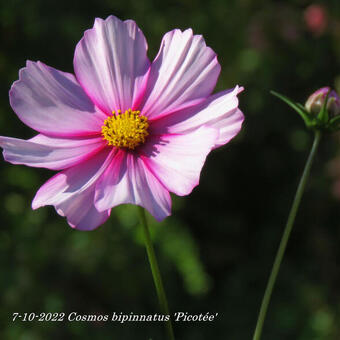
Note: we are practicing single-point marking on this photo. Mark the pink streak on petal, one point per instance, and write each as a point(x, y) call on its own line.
point(52, 102)
point(50, 152)
point(128, 180)
point(73, 181)
point(80, 211)
point(219, 111)
point(177, 160)
point(111, 64)
point(183, 74)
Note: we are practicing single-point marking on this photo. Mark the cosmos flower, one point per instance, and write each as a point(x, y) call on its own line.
point(123, 129)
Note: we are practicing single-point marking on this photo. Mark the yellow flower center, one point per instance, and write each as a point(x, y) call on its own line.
point(125, 130)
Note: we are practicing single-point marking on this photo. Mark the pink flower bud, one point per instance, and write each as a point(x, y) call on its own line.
point(316, 100)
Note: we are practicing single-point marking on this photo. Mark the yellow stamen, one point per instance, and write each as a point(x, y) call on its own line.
point(125, 130)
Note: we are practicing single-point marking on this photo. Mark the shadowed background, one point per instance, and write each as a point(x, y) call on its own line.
point(217, 249)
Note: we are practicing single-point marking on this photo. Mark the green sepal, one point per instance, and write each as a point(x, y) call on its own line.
point(302, 107)
point(323, 114)
point(334, 123)
point(335, 120)
point(299, 108)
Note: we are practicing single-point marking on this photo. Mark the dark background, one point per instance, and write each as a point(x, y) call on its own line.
point(217, 249)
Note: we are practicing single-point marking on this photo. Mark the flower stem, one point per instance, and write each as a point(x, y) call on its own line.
point(156, 273)
point(285, 238)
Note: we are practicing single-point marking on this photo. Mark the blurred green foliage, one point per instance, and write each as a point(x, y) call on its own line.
point(216, 250)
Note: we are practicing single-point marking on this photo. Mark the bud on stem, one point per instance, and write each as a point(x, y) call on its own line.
point(315, 102)
point(321, 111)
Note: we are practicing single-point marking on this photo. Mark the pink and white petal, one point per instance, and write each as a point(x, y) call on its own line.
point(111, 63)
point(228, 126)
point(49, 152)
point(177, 160)
point(129, 180)
point(73, 181)
point(184, 73)
point(219, 111)
point(81, 212)
point(66, 142)
point(52, 102)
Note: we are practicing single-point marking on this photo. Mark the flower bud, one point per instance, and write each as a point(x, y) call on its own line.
point(315, 102)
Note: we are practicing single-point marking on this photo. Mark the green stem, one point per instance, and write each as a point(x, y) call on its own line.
point(285, 238)
point(156, 273)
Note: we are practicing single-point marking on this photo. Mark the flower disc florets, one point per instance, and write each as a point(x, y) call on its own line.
point(125, 130)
